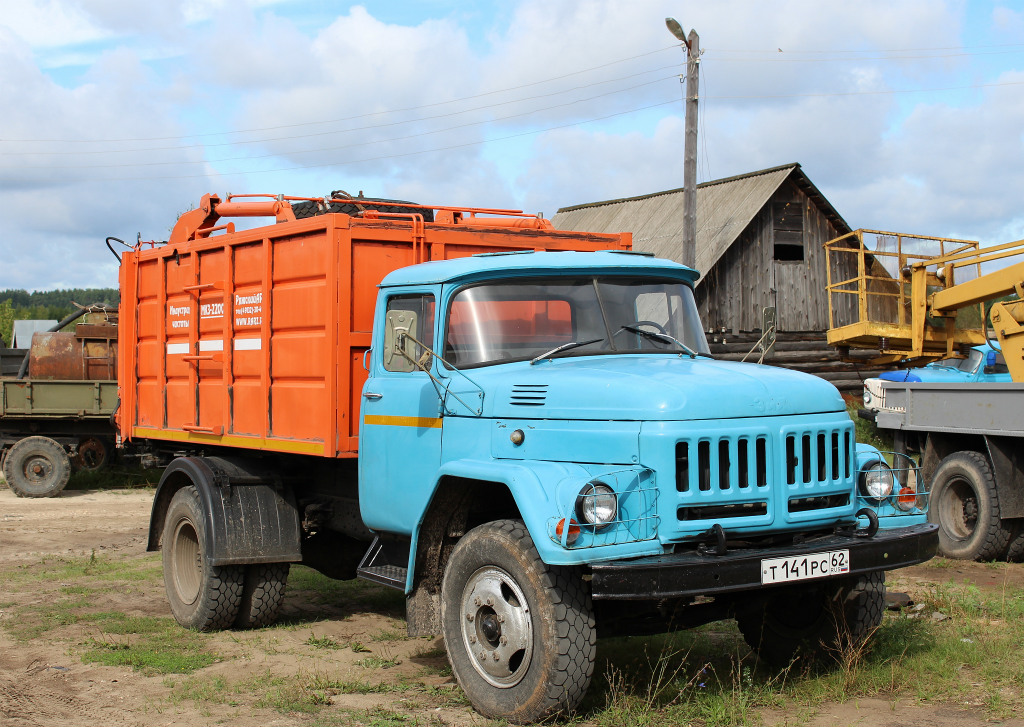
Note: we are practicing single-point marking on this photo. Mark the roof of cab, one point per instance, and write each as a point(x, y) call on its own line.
point(530, 262)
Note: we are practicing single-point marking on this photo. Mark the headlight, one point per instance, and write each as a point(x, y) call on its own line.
point(596, 504)
point(867, 398)
point(876, 481)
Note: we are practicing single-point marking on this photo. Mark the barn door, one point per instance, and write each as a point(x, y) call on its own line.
point(790, 267)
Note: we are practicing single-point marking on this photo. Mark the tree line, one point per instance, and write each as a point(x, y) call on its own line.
point(20, 305)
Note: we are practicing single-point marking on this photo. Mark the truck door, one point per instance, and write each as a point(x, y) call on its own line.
point(400, 427)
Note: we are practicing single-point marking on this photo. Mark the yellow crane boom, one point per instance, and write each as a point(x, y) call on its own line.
point(909, 305)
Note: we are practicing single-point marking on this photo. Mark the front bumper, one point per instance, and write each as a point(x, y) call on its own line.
point(698, 574)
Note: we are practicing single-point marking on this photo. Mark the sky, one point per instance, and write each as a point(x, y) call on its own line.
point(119, 115)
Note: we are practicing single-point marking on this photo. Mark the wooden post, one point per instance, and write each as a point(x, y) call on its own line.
point(689, 251)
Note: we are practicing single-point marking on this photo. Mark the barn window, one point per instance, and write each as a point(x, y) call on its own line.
point(788, 223)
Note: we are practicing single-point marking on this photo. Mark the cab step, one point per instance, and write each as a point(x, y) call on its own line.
point(386, 562)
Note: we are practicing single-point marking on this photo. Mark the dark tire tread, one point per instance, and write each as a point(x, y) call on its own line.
point(993, 535)
point(14, 462)
point(262, 595)
point(576, 637)
point(851, 610)
point(221, 587)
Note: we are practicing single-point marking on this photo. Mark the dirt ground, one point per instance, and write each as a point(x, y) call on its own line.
point(45, 681)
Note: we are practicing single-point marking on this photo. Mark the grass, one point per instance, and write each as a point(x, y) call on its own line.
point(707, 676)
point(114, 477)
point(865, 430)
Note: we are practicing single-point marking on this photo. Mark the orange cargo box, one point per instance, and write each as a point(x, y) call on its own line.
point(256, 338)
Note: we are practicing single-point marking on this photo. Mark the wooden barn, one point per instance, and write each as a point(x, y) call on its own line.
point(759, 243)
point(760, 240)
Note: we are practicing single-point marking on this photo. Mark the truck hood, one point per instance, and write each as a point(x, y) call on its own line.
point(647, 388)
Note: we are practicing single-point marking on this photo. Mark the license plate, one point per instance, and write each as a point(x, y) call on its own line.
point(804, 567)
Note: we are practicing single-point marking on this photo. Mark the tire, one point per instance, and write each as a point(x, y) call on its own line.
point(532, 623)
point(262, 595)
point(37, 467)
point(814, 622)
point(965, 505)
point(202, 596)
point(302, 210)
point(1015, 547)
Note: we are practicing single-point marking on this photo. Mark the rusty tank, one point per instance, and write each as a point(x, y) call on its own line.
point(88, 352)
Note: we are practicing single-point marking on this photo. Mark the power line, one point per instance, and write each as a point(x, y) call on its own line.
point(873, 93)
point(768, 59)
point(532, 132)
point(349, 118)
point(871, 50)
point(345, 131)
point(348, 146)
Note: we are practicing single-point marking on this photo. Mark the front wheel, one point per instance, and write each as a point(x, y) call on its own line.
point(202, 596)
point(965, 506)
point(817, 620)
point(520, 633)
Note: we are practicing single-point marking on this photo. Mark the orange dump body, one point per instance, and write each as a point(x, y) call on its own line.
point(256, 338)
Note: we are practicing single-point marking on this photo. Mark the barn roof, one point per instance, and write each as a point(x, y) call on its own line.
point(724, 209)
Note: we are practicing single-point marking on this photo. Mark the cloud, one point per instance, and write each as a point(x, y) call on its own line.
point(402, 109)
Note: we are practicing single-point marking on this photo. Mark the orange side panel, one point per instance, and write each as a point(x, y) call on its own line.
point(256, 338)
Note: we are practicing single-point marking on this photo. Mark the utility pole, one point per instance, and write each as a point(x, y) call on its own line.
point(692, 43)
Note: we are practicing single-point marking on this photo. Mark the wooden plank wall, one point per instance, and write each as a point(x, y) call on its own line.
point(748, 278)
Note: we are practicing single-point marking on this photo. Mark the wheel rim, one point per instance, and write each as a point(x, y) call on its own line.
point(38, 470)
point(187, 563)
point(497, 627)
point(958, 510)
point(91, 454)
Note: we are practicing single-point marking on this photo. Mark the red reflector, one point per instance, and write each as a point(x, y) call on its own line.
point(907, 498)
point(574, 531)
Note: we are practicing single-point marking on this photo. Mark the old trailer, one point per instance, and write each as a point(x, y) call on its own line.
point(55, 412)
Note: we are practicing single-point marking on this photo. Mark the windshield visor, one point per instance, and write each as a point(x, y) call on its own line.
point(494, 323)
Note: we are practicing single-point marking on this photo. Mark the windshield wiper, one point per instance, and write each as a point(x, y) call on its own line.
point(563, 347)
point(664, 337)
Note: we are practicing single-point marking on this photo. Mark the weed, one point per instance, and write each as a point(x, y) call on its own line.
point(322, 642)
point(389, 635)
point(378, 662)
point(358, 648)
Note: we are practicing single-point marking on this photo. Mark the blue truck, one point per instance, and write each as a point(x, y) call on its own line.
point(982, 365)
point(548, 453)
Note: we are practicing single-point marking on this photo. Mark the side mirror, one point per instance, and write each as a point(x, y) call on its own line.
point(398, 347)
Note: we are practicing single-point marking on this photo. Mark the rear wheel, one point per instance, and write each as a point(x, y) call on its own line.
point(37, 467)
point(519, 633)
point(202, 596)
point(262, 595)
point(814, 621)
point(93, 454)
point(965, 505)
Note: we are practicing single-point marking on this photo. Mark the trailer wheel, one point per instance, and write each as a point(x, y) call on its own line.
point(965, 505)
point(520, 633)
point(202, 596)
point(817, 621)
point(262, 595)
point(93, 454)
point(37, 467)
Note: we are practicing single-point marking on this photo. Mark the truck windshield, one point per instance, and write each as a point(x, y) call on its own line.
point(514, 321)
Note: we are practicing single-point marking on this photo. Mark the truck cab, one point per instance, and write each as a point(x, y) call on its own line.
point(543, 413)
point(982, 365)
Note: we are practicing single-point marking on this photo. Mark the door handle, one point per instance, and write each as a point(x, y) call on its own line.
point(372, 395)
